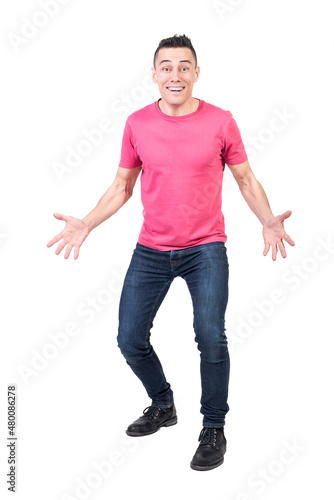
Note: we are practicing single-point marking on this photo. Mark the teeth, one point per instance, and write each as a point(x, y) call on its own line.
point(176, 88)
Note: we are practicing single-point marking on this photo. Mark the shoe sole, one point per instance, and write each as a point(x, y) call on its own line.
point(206, 467)
point(168, 423)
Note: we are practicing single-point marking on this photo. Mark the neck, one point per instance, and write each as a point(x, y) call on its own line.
point(186, 108)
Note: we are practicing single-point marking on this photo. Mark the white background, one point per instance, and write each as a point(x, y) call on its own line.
point(88, 58)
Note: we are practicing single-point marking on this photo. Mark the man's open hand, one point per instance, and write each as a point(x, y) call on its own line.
point(73, 235)
point(274, 234)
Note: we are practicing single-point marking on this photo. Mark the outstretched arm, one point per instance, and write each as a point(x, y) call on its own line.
point(77, 230)
point(273, 227)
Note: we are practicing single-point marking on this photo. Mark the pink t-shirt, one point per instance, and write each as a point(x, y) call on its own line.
point(182, 160)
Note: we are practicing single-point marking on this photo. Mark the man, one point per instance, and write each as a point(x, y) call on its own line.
point(180, 145)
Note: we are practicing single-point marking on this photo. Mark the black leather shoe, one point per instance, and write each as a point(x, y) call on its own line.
point(152, 420)
point(211, 451)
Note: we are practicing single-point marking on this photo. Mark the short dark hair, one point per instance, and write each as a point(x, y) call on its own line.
point(175, 41)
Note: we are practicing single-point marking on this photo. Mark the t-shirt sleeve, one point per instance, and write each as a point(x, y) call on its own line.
point(234, 151)
point(129, 157)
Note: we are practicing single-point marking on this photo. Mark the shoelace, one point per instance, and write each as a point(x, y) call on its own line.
point(208, 436)
point(152, 412)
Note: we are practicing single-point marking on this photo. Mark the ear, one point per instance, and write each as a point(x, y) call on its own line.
point(197, 71)
point(154, 77)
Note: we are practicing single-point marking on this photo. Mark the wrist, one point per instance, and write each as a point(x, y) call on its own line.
point(267, 218)
point(89, 222)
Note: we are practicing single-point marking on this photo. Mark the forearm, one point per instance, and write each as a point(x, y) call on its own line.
point(256, 198)
point(112, 200)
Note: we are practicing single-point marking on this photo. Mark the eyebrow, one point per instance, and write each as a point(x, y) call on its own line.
point(183, 61)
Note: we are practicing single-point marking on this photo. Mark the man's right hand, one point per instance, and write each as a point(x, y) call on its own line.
point(73, 235)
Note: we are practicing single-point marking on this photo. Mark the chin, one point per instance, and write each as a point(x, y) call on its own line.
point(176, 100)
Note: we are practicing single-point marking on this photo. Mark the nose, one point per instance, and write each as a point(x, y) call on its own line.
point(174, 77)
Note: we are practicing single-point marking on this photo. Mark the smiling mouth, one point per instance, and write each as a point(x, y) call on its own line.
point(175, 90)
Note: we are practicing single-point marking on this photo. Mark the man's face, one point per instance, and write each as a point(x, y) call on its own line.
point(175, 73)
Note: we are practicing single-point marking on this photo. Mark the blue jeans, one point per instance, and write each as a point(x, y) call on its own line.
point(149, 276)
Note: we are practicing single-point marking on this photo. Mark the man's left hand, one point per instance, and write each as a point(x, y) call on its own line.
point(274, 234)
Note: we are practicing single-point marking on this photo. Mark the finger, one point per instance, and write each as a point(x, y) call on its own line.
point(289, 240)
point(266, 249)
point(286, 215)
point(274, 252)
point(60, 247)
point(68, 251)
point(55, 239)
point(60, 216)
point(76, 252)
point(282, 249)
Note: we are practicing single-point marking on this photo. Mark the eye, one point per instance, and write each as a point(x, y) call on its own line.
point(165, 69)
point(184, 69)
